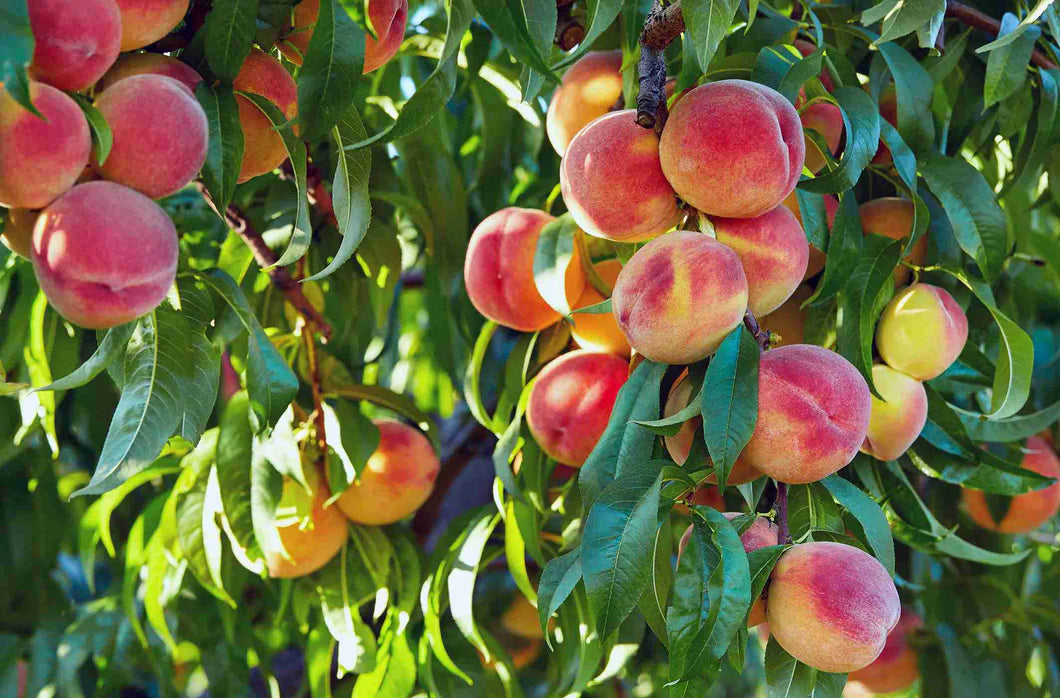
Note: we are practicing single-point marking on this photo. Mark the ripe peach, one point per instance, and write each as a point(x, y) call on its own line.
point(774, 254)
point(892, 217)
point(599, 332)
point(499, 270)
point(896, 423)
point(18, 231)
point(817, 257)
point(889, 112)
point(144, 22)
point(40, 158)
point(788, 320)
point(521, 619)
point(813, 414)
point(389, 18)
point(151, 64)
point(1026, 511)
point(397, 479)
point(827, 120)
point(896, 668)
point(571, 402)
point(75, 42)
point(311, 533)
point(263, 148)
point(104, 254)
point(612, 182)
point(160, 134)
point(589, 89)
point(679, 296)
point(831, 606)
point(733, 148)
point(921, 331)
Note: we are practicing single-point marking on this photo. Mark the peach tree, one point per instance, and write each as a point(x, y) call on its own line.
point(495, 347)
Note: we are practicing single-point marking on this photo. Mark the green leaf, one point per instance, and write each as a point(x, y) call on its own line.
point(16, 51)
point(333, 65)
point(515, 547)
point(472, 391)
point(558, 580)
point(982, 428)
point(656, 598)
point(869, 514)
point(812, 508)
point(525, 27)
point(461, 581)
point(900, 17)
point(197, 504)
point(356, 642)
point(601, 308)
point(861, 121)
point(786, 677)
point(266, 489)
point(860, 302)
point(354, 438)
point(760, 563)
point(708, 22)
point(319, 655)
point(202, 371)
point(229, 35)
point(224, 150)
point(1006, 66)
point(384, 397)
point(234, 458)
point(394, 675)
point(102, 138)
point(730, 400)
point(111, 348)
point(554, 253)
point(844, 250)
point(914, 90)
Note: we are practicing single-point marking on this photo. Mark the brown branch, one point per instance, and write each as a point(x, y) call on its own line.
point(781, 506)
point(985, 23)
point(761, 336)
point(662, 26)
point(318, 399)
point(569, 31)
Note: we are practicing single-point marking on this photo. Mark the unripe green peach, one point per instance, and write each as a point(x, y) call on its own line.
point(389, 18)
point(599, 332)
point(896, 668)
point(311, 532)
point(144, 22)
point(1026, 511)
point(922, 331)
point(892, 217)
point(75, 41)
point(263, 148)
point(589, 89)
point(898, 419)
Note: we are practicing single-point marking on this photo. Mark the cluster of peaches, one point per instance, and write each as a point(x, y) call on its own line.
point(104, 252)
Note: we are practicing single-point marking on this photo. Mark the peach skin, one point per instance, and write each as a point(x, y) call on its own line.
point(18, 231)
point(889, 112)
point(817, 257)
point(1026, 511)
point(589, 89)
point(831, 606)
point(788, 321)
point(826, 119)
point(679, 296)
point(896, 668)
point(571, 402)
point(806, 48)
point(922, 331)
point(311, 532)
point(144, 22)
point(521, 619)
point(389, 18)
point(893, 217)
point(599, 332)
point(898, 419)
point(263, 148)
point(74, 42)
point(151, 64)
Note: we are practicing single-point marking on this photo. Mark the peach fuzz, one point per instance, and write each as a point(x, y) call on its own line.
point(826, 119)
point(1026, 511)
point(397, 479)
point(599, 332)
point(571, 402)
point(817, 257)
point(160, 134)
point(151, 64)
point(774, 254)
point(311, 535)
point(521, 619)
point(612, 182)
point(144, 22)
point(499, 270)
point(896, 668)
point(263, 148)
point(17, 233)
point(813, 414)
point(679, 296)
point(831, 606)
point(589, 89)
point(733, 148)
point(104, 254)
point(75, 42)
point(893, 217)
point(40, 158)
point(788, 320)
point(389, 19)
point(922, 331)
point(898, 419)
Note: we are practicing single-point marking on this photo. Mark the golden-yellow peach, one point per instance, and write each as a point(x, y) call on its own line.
point(599, 331)
point(311, 532)
point(144, 22)
point(589, 89)
point(1026, 511)
point(922, 331)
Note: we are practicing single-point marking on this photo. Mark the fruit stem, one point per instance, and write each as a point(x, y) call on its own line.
point(761, 336)
point(781, 506)
point(662, 25)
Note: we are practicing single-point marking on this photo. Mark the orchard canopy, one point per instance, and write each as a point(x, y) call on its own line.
point(529, 348)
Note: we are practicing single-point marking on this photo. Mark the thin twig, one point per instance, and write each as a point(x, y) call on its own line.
point(318, 399)
point(781, 506)
point(985, 23)
point(761, 336)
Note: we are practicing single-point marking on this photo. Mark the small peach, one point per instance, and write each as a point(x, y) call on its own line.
point(1026, 511)
point(589, 89)
point(898, 419)
point(599, 332)
point(144, 22)
point(922, 331)
point(311, 533)
point(132, 64)
point(263, 147)
point(893, 217)
point(896, 669)
point(18, 231)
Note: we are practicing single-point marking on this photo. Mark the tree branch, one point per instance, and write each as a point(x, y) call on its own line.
point(569, 31)
point(761, 336)
point(985, 23)
point(781, 506)
point(662, 26)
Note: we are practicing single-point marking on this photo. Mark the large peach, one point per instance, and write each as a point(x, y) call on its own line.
point(151, 64)
point(612, 182)
point(733, 148)
point(599, 332)
point(18, 231)
point(589, 89)
point(397, 479)
point(817, 257)
point(144, 22)
point(388, 17)
point(263, 148)
point(922, 331)
point(160, 134)
point(813, 414)
point(74, 42)
point(831, 606)
point(679, 296)
point(893, 217)
point(896, 668)
point(40, 158)
point(1029, 510)
point(311, 532)
point(571, 402)
point(499, 270)
point(826, 119)
point(104, 254)
point(898, 419)
point(789, 320)
point(773, 251)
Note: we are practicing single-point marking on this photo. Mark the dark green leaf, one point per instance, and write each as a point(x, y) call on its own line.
point(869, 280)
point(102, 138)
point(981, 428)
point(914, 90)
point(333, 65)
point(234, 458)
point(861, 121)
point(730, 400)
point(525, 27)
point(786, 677)
point(229, 34)
point(111, 348)
point(1006, 66)
point(869, 514)
point(558, 580)
point(708, 22)
point(224, 151)
point(16, 51)
point(554, 254)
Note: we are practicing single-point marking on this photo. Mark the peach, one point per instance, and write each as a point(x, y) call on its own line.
point(499, 270)
point(74, 42)
point(612, 183)
point(896, 668)
point(813, 414)
point(311, 532)
point(733, 148)
point(388, 17)
point(889, 112)
point(788, 320)
point(774, 254)
point(144, 22)
point(599, 332)
point(104, 254)
point(893, 217)
point(397, 479)
point(18, 231)
point(826, 119)
point(589, 89)
point(831, 606)
point(40, 158)
point(679, 296)
point(896, 420)
point(160, 134)
point(263, 148)
point(806, 48)
point(817, 257)
point(151, 64)
point(1026, 511)
point(571, 402)
point(922, 331)
point(521, 619)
